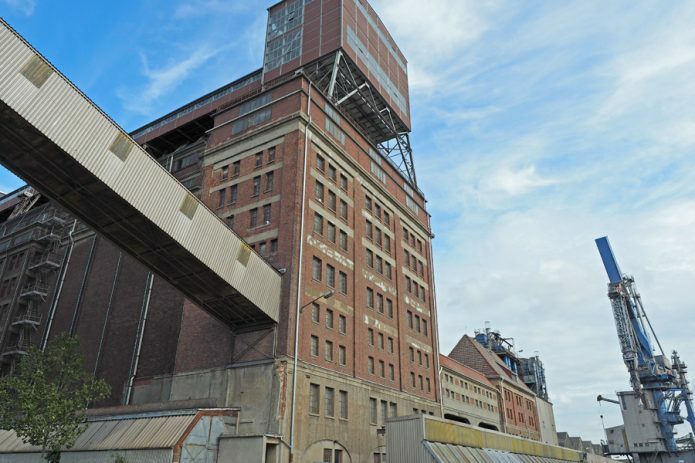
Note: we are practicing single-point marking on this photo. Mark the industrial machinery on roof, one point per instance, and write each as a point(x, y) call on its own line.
point(652, 408)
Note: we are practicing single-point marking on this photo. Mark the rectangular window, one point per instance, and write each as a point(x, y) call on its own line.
point(370, 365)
point(315, 346)
point(343, 210)
point(412, 379)
point(259, 160)
point(382, 369)
point(314, 397)
point(377, 237)
point(342, 355)
point(318, 223)
point(390, 343)
point(389, 308)
point(370, 258)
point(331, 232)
point(269, 178)
point(370, 298)
point(236, 168)
point(368, 203)
point(343, 240)
point(225, 172)
point(266, 214)
point(271, 155)
point(332, 173)
point(380, 339)
point(331, 200)
point(315, 312)
point(253, 218)
point(343, 182)
point(329, 401)
point(329, 318)
point(394, 409)
point(380, 303)
point(379, 265)
point(230, 221)
point(387, 243)
point(316, 265)
point(387, 218)
point(392, 373)
point(318, 191)
point(342, 282)
point(330, 275)
point(410, 319)
point(342, 324)
point(424, 327)
point(343, 404)
point(256, 186)
point(412, 354)
point(273, 246)
point(370, 336)
point(320, 163)
point(328, 351)
point(372, 410)
point(233, 193)
point(221, 199)
point(368, 230)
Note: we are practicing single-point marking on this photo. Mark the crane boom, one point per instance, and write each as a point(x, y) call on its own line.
point(658, 383)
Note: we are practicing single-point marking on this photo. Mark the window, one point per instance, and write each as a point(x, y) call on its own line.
point(328, 351)
point(342, 355)
point(394, 408)
point(380, 340)
point(412, 354)
point(266, 214)
point(315, 312)
point(387, 243)
point(419, 357)
point(331, 232)
point(259, 160)
point(236, 168)
point(263, 248)
point(377, 210)
point(315, 346)
point(424, 327)
point(370, 298)
point(343, 240)
point(230, 221)
point(368, 203)
point(269, 181)
point(427, 360)
point(370, 258)
point(343, 182)
point(417, 323)
point(256, 186)
point(429, 385)
point(330, 275)
point(370, 336)
point(368, 230)
point(390, 344)
point(377, 237)
point(372, 411)
point(389, 308)
point(318, 191)
point(342, 324)
point(412, 379)
point(419, 377)
point(271, 155)
point(329, 318)
point(380, 303)
point(343, 404)
point(320, 163)
point(370, 365)
point(387, 218)
point(329, 401)
point(392, 373)
point(327, 456)
point(273, 246)
point(316, 265)
point(222, 194)
point(342, 282)
point(332, 173)
point(225, 172)
point(343, 210)
point(382, 369)
point(318, 223)
point(384, 410)
point(410, 319)
point(331, 200)
point(233, 193)
point(253, 218)
point(314, 397)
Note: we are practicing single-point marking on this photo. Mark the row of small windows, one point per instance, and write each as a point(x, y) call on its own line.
point(376, 236)
point(223, 198)
point(378, 211)
point(416, 289)
point(410, 238)
point(318, 275)
point(380, 410)
point(329, 318)
point(420, 357)
point(378, 340)
point(328, 350)
point(420, 382)
point(235, 169)
point(331, 172)
point(413, 263)
point(371, 368)
point(471, 401)
point(376, 262)
point(266, 248)
point(376, 300)
point(416, 323)
point(332, 233)
point(330, 200)
point(329, 399)
point(14, 261)
point(464, 384)
point(7, 285)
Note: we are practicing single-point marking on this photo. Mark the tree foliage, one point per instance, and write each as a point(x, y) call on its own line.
point(45, 400)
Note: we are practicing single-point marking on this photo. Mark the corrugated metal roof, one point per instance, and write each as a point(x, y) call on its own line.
point(158, 432)
point(449, 453)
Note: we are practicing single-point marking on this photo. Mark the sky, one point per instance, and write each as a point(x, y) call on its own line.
point(538, 126)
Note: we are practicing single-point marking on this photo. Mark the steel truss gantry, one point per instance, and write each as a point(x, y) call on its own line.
point(344, 84)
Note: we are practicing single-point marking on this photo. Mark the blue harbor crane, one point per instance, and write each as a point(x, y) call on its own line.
point(659, 385)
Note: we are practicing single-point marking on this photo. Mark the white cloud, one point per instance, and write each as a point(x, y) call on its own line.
point(516, 182)
point(26, 7)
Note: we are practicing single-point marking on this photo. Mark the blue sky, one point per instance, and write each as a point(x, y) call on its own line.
point(537, 127)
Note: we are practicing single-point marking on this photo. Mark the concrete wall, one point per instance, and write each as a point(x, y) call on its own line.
point(546, 421)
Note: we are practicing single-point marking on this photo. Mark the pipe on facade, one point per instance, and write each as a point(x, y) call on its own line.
point(59, 288)
point(299, 277)
point(435, 332)
point(140, 336)
point(108, 312)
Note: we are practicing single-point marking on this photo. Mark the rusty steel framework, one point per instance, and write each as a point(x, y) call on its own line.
point(338, 78)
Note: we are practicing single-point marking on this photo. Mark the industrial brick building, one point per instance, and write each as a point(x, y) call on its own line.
point(308, 160)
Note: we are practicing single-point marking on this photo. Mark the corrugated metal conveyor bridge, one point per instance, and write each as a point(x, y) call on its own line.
point(60, 142)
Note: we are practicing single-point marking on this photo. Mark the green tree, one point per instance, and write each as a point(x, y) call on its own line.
point(45, 400)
